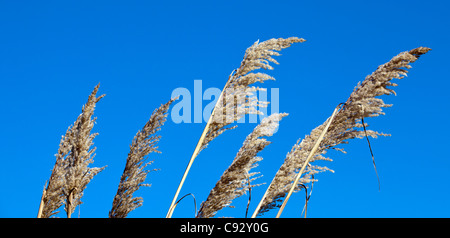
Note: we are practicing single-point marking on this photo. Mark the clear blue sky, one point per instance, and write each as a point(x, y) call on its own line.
point(53, 53)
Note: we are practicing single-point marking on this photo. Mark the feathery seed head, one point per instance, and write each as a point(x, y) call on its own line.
point(346, 125)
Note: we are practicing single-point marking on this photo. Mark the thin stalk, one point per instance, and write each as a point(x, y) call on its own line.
point(41, 204)
point(69, 204)
point(196, 151)
point(311, 154)
point(255, 213)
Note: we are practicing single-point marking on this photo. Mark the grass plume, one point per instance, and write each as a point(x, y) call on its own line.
point(71, 172)
point(135, 172)
point(362, 103)
point(234, 182)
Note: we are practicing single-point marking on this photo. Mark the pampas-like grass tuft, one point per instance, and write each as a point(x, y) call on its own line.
point(362, 103)
point(72, 172)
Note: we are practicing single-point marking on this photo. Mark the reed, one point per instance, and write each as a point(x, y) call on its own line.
point(135, 172)
point(72, 170)
point(347, 124)
point(237, 179)
point(235, 100)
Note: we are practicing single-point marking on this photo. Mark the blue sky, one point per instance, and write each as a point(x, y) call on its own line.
point(53, 53)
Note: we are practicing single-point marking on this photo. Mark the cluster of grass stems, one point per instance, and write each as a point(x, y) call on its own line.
point(72, 171)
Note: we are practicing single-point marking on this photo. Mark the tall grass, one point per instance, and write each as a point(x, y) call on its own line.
point(236, 99)
point(135, 172)
point(347, 124)
point(72, 172)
